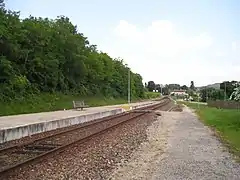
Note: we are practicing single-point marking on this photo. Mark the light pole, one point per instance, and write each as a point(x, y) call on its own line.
point(206, 93)
point(129, 87)
point(225, 93)
point(161, 86)
point(198, 100)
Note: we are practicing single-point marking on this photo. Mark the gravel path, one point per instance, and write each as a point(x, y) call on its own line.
point(179, 147)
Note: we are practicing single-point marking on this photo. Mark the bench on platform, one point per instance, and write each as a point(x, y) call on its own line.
point(79, 105)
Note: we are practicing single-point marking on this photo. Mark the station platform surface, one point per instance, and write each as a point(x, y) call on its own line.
point(18, 126)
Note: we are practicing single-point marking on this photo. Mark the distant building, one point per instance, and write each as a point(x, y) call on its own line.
point(179, 93)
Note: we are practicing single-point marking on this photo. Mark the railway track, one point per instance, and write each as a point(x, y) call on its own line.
point(17, 156)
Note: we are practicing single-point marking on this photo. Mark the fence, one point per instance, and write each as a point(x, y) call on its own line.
point(224, 104)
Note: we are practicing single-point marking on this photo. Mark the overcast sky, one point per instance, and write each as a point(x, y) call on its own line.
point(167, 41)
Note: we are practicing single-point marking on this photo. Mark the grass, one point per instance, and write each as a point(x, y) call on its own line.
point(51, 102)
point(152, 95)
point(225, 122)
point(192, 105)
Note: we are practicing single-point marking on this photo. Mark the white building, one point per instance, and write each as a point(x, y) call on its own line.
point(179, 93)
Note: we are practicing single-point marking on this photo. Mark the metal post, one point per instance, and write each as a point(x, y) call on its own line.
point(129, 90)
point(206, 93)
point(225, 93)
point(198, 100)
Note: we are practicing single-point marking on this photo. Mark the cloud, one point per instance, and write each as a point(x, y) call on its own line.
point(126, 30)
point(234, 46)
point(219, 54)
point(161, 38)
point(160, 52)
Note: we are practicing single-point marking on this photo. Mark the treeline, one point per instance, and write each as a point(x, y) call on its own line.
point(225, 91)
point(167, 88)
point(43, 55)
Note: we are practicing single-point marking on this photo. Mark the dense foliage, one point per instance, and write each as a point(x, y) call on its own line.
point(211, 94)
point(236, 92)
point(151, 86)
point(228, 87)
point(229, 90)
point(166, 89)
point(192, 87)
point(41, 55)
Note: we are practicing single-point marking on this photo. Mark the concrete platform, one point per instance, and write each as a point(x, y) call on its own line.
point(18, 126)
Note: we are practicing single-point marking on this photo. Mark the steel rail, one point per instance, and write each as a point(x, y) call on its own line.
point(61, 148)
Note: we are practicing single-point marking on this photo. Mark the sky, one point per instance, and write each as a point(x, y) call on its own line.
point(167, 41)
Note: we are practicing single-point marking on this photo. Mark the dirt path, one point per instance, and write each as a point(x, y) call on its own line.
point(179, 147)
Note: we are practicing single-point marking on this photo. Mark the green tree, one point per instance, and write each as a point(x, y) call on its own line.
point(165, 90)
point(192, 87)
point(158, 87)
point(50, 55)
point(2, 5)
point(228, 87)
point(211, 94)
point(236, 92)
point(184, 87)
point(151, 86)
point(172, 87)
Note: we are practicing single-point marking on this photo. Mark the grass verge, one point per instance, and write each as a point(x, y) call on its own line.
point(51, 102)
point(152, 95)
point(225, 122)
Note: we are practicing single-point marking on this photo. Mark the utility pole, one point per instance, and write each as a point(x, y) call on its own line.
point(206, 93)
point(225, 93)
point(198, 99)
point(129, 87)
point(161, 89)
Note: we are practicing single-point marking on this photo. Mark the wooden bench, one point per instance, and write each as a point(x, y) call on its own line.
point(79, 104)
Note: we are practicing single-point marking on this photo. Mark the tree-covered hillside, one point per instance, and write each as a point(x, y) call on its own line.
point(51, 56)
point(43, 55)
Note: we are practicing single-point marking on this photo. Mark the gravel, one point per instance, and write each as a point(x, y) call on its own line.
point(11, 157)
point(175, 145)
point(33, 137)
point(179, 147)
point(94, 159)
point(194, 153)
point(144, 161)
point(177, 108)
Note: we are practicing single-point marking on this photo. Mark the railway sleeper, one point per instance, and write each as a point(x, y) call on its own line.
point(25, 151)
point(40, 147)
point(147, 111)
point(50, 144)
point(142, 111)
